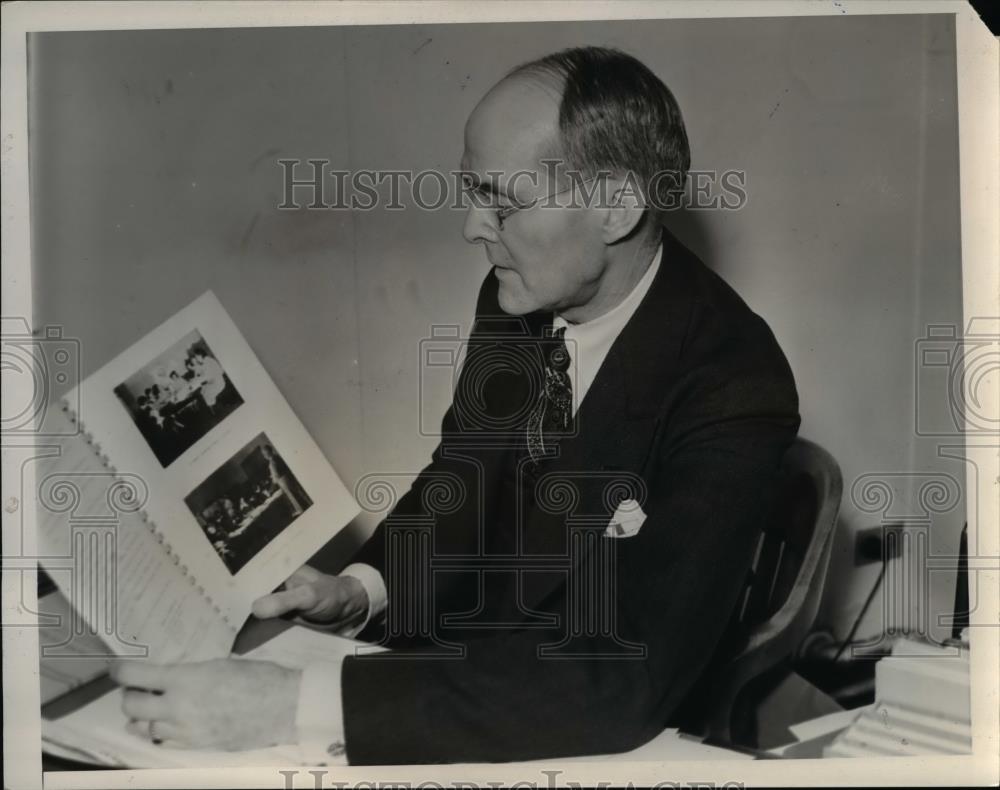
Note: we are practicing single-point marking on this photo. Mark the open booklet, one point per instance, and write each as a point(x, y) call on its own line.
point(178, 487)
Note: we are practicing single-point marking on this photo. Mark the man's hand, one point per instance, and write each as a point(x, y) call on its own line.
point(331, 600)
point(223, 704)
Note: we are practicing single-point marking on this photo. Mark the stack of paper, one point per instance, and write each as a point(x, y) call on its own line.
point(922, 705)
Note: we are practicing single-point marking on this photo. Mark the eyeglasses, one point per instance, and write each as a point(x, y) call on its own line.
point(503, 212)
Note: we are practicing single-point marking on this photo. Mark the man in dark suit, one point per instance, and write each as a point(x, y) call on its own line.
point(560, 574)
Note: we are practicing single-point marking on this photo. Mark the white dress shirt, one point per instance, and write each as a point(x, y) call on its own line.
point(588, 343)
point(319, 716)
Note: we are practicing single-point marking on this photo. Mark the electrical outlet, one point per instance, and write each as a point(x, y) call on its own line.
point(874, 544)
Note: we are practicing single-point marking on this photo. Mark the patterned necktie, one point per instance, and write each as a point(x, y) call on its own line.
point(553, 412)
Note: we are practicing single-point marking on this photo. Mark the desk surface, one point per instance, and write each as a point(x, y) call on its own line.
point(668, 746)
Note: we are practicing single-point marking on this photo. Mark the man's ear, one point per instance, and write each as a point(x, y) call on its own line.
point(624, 210)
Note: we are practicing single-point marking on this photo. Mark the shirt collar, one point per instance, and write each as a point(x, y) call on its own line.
point(615, 319)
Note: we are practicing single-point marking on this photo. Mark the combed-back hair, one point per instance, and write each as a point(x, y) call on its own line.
point(616, 115)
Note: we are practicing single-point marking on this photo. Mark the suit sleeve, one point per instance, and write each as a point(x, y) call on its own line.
point(710, 486)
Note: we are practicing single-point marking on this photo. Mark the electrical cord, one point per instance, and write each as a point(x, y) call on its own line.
point(861, 614)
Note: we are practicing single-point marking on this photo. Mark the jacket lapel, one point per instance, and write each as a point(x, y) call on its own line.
point(617, 422)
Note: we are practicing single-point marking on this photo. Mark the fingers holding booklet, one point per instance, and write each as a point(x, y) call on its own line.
point(317, 597)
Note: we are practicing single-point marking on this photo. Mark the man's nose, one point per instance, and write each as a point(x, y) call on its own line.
point(479, 226)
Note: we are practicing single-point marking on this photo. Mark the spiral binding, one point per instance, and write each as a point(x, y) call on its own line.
point(144, 515)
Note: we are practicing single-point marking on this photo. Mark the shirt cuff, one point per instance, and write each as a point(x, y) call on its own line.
point(374, 586)
point(319, 716)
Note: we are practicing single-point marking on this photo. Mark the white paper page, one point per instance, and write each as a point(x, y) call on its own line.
point(123, 587)
point(67, 659)
point(669, 745)
point(240, 523)
point(96, 733)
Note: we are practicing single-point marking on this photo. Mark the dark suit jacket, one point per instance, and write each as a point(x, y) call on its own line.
point(689, 414)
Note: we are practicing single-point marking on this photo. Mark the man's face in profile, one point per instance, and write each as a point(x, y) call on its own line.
point(546, 258)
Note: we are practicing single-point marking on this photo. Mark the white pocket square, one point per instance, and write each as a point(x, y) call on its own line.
point(626, 521)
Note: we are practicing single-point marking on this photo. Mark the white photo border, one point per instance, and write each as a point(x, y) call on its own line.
point(977, 67)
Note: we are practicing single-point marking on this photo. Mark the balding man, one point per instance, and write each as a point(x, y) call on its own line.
point(605, 359)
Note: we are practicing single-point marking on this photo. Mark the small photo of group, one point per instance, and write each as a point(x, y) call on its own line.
point(247, 502)
point(178, 397)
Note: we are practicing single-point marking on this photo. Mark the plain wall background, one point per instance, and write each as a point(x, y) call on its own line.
point(154, 178)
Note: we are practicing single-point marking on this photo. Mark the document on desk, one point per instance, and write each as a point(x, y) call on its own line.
point(671, 745)
point(96, 732)
point(180, 486)
point(67, 660)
